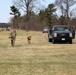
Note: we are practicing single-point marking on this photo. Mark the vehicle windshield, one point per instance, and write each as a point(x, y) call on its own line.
point(61, 28)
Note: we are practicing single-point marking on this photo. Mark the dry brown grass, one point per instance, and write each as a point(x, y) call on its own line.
point(38, 58)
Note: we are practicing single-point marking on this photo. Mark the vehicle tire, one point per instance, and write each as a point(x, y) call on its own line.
point(70, 41)
point(50, 40)
point(53, 41)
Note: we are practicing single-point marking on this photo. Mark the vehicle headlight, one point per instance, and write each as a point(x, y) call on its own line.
point(55, 34)
point(70, 34)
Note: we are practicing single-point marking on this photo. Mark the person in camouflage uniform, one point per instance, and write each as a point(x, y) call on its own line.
point(13, 37)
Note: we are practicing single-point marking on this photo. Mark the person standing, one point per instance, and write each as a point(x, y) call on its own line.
point(13, 37)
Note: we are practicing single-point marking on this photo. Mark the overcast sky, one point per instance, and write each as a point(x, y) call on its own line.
point(5, 9)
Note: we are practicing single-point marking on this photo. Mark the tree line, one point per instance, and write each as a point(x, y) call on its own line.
point(35, 17)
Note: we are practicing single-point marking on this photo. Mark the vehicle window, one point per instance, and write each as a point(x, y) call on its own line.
point(61, 29)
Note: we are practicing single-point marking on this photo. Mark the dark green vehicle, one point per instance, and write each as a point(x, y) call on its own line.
point(61, 33)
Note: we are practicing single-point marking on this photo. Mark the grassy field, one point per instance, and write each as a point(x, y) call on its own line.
point(38, 58)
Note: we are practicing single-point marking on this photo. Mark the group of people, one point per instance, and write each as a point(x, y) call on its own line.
point(13, 35)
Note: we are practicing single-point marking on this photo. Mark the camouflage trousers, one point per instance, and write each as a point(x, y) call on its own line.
point(13, 42)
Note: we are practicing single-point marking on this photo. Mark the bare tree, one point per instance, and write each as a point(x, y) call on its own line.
point(64, 6)
point(27, 6)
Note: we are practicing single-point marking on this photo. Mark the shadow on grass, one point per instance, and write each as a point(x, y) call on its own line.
point(64, 42)
point(19, 45)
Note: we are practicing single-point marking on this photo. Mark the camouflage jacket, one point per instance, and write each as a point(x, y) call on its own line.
point(13, 35)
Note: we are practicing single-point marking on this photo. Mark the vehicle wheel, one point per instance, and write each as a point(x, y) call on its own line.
point(53, 41)
point(50, 40)
point(70, 41)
